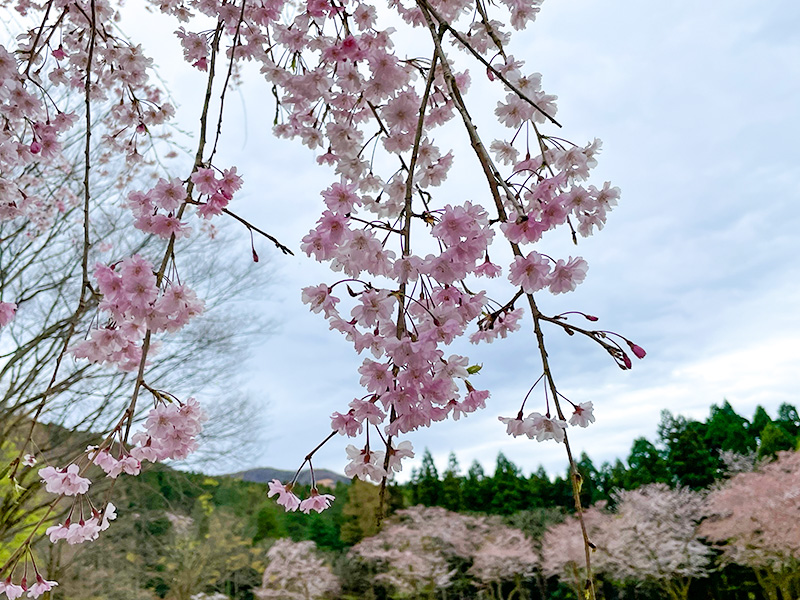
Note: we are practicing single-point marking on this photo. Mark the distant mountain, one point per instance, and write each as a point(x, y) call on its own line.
point(267, 474)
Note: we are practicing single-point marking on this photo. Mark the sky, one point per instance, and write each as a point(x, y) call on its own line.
point(696, 105)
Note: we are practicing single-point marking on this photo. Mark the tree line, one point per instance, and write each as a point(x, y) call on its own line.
point(189, 536)
point(686, 453)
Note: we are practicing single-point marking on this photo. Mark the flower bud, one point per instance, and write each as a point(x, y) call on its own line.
point(637, 350)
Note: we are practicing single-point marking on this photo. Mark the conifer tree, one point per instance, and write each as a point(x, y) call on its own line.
point(451, 485)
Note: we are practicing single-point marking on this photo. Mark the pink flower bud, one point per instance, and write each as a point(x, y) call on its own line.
point(591, 317)
point(627, 360)
point(637, 350)
point(489, 74)
point(59, 53)
point(36, 147)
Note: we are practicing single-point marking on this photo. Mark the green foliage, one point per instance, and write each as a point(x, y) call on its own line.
point(774, 438)
point(760, 420)
point(451, 485)
point(590, 489)
point(691, 460)
point(788, 419)
point(359, 515)
point(15, 524)
point(726, 430)
point(426, 488)
point(507, 488)
point(645, 465)
point(613, 477)
point(473, 488)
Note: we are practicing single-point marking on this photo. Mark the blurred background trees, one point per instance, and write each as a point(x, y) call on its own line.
point(192, 536)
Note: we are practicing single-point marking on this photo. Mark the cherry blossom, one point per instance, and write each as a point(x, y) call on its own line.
point(285, 496)
point(7, 312)
point(64, 481)
point(583, 415)
point(316, 501)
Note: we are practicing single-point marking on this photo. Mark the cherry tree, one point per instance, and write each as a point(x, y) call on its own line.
point(295, 572)
point(653, 536)
point(563, 547)
point(753, 521)
point(411, 263)
point(421, 550)
point(414, 552)
point(505, 555)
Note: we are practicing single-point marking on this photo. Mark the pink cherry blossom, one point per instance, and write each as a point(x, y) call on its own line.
point(516, 426)
point(531, 272)
point(12, 590)
point(67, 481)
point(545, 428)
point(316, 501)
point(285, 496)
point(566, 276)
point(7, 312)
point(40, 587)
point(364, 464)
point(346, 424)
point(583, 415)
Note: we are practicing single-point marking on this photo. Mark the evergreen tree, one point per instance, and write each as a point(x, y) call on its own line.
point(562, 493)
point(473, 490)
point(774, 438)
point(760, 420)
point(612, 478)
point(426, 487)
point(727, 430)
point(590, 486)
point(788, 419)
point(645, 465)
point(690, 460)
point(451, 485)
point(267, 522)
point(508, 488)
point(542, 493)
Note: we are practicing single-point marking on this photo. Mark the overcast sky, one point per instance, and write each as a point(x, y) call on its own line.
point(696, 105)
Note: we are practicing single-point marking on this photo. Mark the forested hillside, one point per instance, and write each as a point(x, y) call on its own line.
point(489, 533)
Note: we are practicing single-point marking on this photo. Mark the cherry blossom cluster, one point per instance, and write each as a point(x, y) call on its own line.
point(373, 98)
point(14, 590)
point(71, 67)
point(42, 85)
point(653, 534)
point(287, 498)
point(131, 296)
point(170, 432)
point(416, 550)
point(295, 570)
point(544, 427)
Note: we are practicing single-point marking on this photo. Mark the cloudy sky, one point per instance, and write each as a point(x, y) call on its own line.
point(696, 105)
